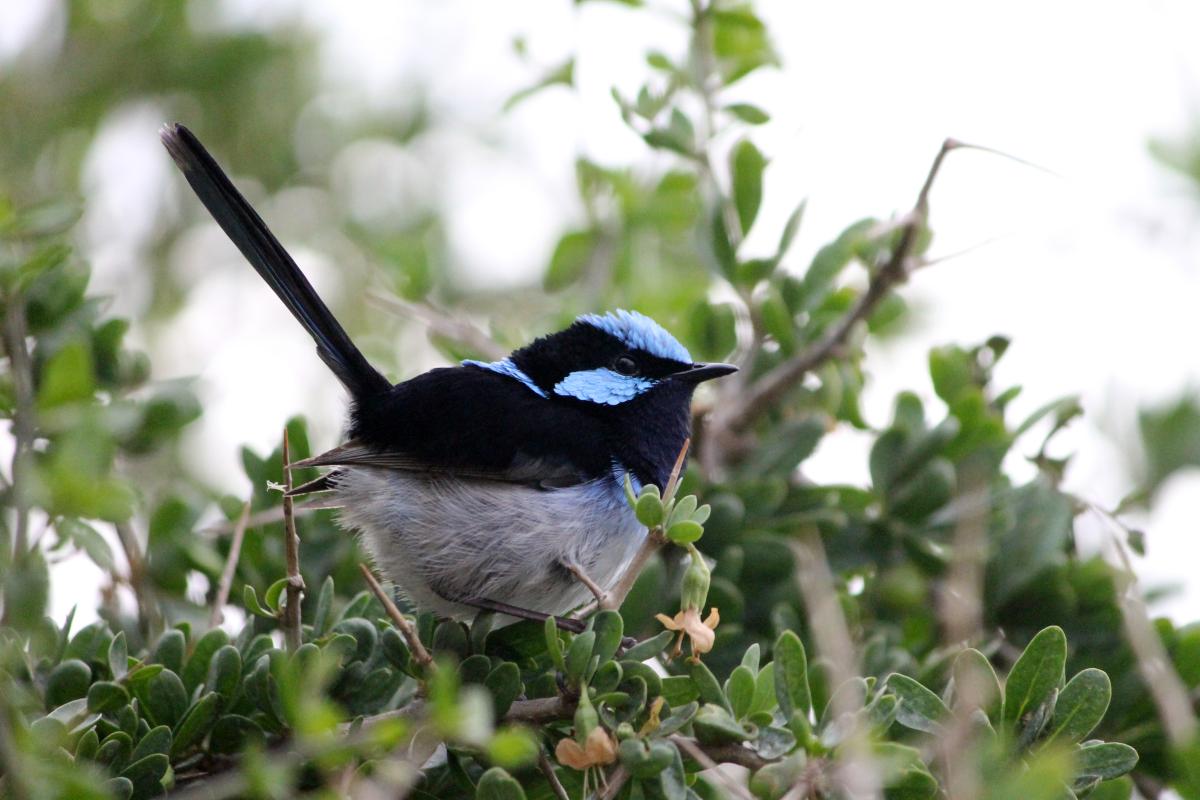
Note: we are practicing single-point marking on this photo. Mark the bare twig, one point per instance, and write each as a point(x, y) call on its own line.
point(23, 427)
point(1168, 691)
point(147, 609)
point(235, 549)
point(857, 771)
point(616, 782)
point(698, 754)
point(291, 541)
point(591, 585)
point(272, 515)
point(650, 545)
point(419, 653)
point(551, 777)
point(441, 323)
point(531, 712)
point(766, 392)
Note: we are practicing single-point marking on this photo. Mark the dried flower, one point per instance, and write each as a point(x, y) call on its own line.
point(598, 750)
point(701, 635)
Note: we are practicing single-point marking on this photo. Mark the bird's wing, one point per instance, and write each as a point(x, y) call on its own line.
point(475, 423)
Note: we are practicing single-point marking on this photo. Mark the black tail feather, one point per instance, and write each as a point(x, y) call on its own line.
point(264, 252)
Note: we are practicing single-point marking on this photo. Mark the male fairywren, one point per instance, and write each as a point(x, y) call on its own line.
point(486, 485)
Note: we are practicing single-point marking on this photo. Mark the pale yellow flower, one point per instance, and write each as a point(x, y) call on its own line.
point(701, 635)
point(598, 750)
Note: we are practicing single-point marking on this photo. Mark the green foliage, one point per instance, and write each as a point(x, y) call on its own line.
point(151, 697)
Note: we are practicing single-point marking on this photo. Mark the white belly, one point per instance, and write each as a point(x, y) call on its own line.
point(441, 538)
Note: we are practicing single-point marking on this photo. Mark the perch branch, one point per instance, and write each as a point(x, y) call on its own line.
point(295, 583)
point(235, 551)
point(765, 393)
point(419, 653)
point(706, 760)
point(650, 545)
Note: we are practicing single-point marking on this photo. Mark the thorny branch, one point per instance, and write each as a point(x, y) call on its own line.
point(419, 653)
point(295, 582)
point(764, 394)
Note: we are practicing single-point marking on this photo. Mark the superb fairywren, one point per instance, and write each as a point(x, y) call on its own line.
point(486, 485)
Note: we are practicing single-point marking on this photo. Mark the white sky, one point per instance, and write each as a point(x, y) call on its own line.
point(1092, 270)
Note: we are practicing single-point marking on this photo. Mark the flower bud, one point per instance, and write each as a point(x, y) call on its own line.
point(696, 580)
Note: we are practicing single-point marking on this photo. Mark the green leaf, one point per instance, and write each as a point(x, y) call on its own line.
point(679, 690)
point(147, 774)
point(1037, 673)
point(106, 697)
point(87, 539)
point(609, 629)
point(68, 681)
point(67, 377)
point(324, 610)
point(232, 733)
point(790, 229)
point(714, 725)
point(554, 644)
point(504, 682)
point(791, 675)
point(225, 672)
point(1105, 760)
point(496, 784)
point(156, 740)
point(579, 654)
point(919, 709)
point(649, 648)
point(164, 698)
point(570, 259)
point(649, 509)
point(274, 592)
point(513, 747)
point(973, 674)
point(196, 723)
point(1081, 706)
point(722, 247)
point(645, 758)
point(685, 531)
point(706, 683)
point(740, 691)
point(118, 657)
point(561, 75)
point(196, 669)
point(749, 114)
point(170, 648)
point(746, 167)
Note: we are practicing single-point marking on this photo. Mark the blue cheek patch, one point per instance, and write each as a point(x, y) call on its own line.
point(602, 386)
point(507, 367)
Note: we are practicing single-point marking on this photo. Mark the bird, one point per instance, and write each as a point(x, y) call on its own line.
point(488, 485)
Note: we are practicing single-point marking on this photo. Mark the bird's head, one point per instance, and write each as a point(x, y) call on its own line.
point(608, 361)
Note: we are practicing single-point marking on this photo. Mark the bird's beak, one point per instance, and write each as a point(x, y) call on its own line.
point(697, 373)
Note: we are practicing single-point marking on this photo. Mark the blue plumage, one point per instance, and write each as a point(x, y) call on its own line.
point(602, 386)
point(640, 333)
point(491, 482)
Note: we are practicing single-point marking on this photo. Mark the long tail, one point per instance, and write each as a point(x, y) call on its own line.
point(264, 252)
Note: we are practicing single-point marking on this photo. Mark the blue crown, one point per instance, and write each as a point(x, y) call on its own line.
point(640, 333)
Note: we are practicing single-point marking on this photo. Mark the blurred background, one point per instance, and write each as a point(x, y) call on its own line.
point(400, 151)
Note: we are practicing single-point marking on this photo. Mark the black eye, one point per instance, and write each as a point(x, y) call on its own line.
point(625, 365)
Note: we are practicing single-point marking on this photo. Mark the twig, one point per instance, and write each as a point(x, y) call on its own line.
point(857, 771)
point(273, 514)
point(765, 393)
point(235, 550)
point(551, 777)
point(147, 610)
point(419, 653)
point(291, 541)
point(616, 782)
point(591, 585)
point(15, 332)
point(538, 711)
point(441, 323)
point(704, 759)
point(650, 545)
point(1166, 688)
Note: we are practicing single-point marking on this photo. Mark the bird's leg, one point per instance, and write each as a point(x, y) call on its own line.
point(583, 578)
point(571, 625)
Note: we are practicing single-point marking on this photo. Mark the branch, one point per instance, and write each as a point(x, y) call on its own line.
point(538, 711)
point(711, 761)
point(147, 610)
point(551, 778)
point(419, 653)
point(291, 541)
point(766, 393)
point(15, 333)
point(272, 515)
point(1166, 688)
point(235, 550)
point(650, 545)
